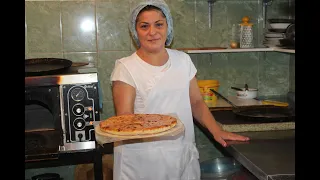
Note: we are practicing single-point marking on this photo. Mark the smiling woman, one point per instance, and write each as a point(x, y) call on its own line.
point(159, 80)
point(151, 27)
point(160, 7)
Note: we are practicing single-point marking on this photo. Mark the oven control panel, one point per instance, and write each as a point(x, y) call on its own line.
point(81, 109)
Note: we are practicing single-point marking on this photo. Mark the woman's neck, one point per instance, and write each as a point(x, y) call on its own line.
point(154, 58)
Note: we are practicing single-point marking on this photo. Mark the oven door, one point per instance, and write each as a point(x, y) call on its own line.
point(43, 132)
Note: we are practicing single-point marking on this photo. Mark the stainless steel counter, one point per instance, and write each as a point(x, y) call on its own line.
point(268, 155)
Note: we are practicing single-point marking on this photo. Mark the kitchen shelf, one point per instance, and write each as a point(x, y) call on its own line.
point(284, 50)
point(240, 50)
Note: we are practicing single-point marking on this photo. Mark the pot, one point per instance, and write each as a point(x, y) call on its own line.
point(247, 94)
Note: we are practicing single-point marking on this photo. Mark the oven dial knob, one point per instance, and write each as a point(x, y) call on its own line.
point(79, 124)
point(78, 109)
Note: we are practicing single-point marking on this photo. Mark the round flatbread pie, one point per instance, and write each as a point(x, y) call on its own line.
point(137, 124)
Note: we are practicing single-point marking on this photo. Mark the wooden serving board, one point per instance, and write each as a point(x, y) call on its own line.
point(103, 137)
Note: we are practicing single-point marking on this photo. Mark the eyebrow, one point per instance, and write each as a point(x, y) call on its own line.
point(155, 22)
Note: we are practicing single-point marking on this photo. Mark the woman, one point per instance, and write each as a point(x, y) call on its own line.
point(155, 79)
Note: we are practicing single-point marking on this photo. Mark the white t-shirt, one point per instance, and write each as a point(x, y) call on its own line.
point(165, 90)
point(152, 74)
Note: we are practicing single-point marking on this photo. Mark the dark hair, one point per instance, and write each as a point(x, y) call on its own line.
point(150, 8)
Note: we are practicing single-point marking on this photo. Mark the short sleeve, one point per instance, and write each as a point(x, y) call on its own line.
point(121, 73)
point(192, 68)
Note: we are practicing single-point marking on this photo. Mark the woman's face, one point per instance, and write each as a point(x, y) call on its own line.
point(151, 29)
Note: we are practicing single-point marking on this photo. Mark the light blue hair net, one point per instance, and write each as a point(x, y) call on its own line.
point(166, 11)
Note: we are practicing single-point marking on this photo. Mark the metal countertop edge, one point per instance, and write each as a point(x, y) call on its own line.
point(255, 170)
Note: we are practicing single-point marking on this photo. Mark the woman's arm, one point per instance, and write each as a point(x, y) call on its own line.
point(202, 114)
point(123, 97)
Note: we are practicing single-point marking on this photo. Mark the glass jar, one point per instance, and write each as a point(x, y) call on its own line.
point(235, 36)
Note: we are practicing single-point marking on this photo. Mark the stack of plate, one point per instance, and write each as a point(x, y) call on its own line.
point(272, 39)
point(276, 32)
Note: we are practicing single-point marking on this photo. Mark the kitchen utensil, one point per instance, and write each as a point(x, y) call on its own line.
point(265, 3)
point(249, 93)
point(246, 33)
point(238, 89)
point(220, 167)
point(260, 113)
point(103, 137)
point(46, 66)
point(210, 7)
point(246, 87)
point(275, 103)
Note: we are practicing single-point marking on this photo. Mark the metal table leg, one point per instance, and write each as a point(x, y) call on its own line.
point(97, 165)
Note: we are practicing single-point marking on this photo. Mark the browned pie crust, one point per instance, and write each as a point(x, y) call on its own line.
point(137, 124)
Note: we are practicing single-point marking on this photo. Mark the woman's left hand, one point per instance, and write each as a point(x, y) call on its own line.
point(221, 135)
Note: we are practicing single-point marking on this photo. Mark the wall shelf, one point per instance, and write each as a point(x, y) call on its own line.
point(274, 49)
point(284, 50)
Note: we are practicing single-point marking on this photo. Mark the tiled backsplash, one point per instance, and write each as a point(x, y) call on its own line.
point(96, 31)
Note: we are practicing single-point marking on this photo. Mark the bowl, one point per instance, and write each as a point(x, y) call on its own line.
point(220, 167)
point(281, 20)
point(247, 94)
point(279, 25)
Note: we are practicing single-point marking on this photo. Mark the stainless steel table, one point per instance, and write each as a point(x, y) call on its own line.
point(270, 158)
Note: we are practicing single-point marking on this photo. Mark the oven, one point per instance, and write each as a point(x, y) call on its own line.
point(59, 114)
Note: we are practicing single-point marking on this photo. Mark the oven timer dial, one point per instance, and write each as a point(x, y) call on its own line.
point(78, 109)
point(77, 94)
point(79, 124)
